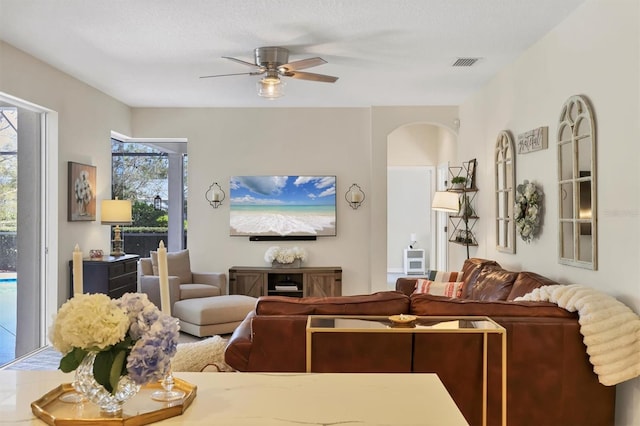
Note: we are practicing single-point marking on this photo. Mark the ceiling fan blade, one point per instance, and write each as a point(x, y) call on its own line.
point(240, 61)
point(311, 76)
point(239, 73)
point(303, 63)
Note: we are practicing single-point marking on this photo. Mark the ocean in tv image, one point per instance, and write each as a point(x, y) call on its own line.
point(282, 205)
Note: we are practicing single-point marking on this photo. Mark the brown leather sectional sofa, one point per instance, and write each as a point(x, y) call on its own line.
point(549, 378)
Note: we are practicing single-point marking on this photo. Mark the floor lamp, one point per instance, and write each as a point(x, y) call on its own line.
point(116, 212)
point(449, 202)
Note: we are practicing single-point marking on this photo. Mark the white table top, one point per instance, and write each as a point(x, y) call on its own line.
point(272, 399)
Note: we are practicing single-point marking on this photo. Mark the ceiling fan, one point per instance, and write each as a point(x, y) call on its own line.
point(273, 62)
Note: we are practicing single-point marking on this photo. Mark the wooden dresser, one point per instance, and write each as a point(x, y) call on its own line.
point(110, 275)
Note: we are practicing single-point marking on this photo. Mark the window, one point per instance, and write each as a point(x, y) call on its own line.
point(153, 177)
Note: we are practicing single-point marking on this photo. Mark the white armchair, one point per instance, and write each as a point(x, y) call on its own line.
point(183, 283)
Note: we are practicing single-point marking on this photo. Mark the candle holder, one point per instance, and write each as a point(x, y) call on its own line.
point(168, 393)
point(354, 196)
point(215, 195)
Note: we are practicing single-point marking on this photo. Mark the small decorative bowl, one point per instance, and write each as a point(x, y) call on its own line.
point(403, 319)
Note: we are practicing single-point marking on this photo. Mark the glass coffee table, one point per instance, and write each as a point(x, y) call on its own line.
point(422, 324)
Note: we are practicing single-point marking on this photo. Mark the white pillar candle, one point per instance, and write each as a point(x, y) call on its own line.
point(78, 287)
point(163, 273)
point(216, 196)
point(355, 197)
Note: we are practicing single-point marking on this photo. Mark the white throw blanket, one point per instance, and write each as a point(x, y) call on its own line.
point(611, 330)
point(202, 355)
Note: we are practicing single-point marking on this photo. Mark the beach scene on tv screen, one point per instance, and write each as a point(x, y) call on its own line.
point(282, 205)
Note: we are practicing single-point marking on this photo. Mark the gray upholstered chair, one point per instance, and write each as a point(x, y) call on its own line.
point(183, 283)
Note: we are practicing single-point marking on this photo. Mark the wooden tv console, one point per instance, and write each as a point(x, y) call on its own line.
point(296, 282)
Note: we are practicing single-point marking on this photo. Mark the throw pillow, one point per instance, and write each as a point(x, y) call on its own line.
point(445, 276)
point(450, 289)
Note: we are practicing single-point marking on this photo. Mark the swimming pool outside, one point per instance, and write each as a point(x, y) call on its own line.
point(8, 299)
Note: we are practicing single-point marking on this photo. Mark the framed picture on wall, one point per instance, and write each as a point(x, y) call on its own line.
point(82, 192)
point(471, 174)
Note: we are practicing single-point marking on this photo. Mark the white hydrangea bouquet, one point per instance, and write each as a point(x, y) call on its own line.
point(284, 255)
point(130, 335)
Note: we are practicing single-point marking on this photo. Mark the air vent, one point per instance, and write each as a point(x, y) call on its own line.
point(465, 62)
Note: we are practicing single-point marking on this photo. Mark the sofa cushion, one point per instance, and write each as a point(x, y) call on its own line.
point(493, 283)
point(430, 305)
point(470, 271)
point(526, 282)
point(178, 265)
point(196, 291)
point(449, 289)
point(381, 303)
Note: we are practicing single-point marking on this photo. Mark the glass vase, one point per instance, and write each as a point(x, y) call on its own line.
point(110, 404)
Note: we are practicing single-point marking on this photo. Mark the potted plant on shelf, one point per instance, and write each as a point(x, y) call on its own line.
point(458, 182)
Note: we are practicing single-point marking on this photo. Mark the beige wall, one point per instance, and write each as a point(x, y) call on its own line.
point(264, 141)
point(86, 118)
point(594, 52)
point(413, 145)
point(227, 142)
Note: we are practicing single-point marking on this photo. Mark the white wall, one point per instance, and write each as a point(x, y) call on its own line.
point(594, 52)
point(409, 212)
point(86, 118)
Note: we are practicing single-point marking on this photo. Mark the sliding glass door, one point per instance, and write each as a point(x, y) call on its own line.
point(21, 226)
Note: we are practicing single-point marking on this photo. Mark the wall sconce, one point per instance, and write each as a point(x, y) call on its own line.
point(354, 196)
point(214, 195)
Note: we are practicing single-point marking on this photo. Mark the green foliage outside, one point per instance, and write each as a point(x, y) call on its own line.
point(140, 174)
point(146, 215)
point(8, 169)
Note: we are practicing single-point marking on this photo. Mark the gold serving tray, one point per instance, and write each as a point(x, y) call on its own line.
point(139, 410)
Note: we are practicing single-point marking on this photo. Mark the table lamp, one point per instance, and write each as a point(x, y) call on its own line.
point(116, 212)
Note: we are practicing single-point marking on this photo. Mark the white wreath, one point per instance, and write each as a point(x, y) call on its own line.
point(528, 207)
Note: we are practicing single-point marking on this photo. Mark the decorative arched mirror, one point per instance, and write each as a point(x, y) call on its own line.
point(505, 193)
point(577, 184)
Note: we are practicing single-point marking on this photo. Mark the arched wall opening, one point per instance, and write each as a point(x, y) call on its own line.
point(417, 158)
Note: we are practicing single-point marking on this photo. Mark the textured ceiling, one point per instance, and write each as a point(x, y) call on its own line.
point(150, 53)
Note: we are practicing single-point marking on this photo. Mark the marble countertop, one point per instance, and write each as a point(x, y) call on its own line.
point(273, 399)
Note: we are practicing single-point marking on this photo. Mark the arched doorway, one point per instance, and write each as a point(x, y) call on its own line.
point(417, 158)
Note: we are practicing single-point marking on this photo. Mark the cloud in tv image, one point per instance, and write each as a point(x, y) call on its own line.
point(283, 205)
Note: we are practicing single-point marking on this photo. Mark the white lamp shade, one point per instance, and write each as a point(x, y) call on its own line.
point(116, 212)
point(445, 201)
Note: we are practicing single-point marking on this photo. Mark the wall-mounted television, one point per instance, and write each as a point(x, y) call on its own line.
point(282, 206)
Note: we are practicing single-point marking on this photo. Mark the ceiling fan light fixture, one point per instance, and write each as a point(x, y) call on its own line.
point(270, 87)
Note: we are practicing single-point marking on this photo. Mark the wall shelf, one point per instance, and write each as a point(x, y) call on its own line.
point(464, 222)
